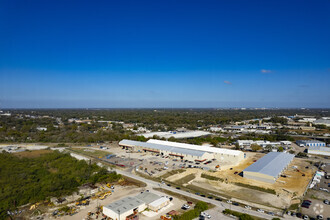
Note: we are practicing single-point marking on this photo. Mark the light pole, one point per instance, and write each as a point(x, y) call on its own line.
point(118, 214)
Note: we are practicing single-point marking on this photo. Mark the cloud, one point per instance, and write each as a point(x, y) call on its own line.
point(264, 71)
point(227, 82)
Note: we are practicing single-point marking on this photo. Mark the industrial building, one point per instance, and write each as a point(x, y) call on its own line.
point(322, 121)
point(269, 167)
point(130, 206)
point(310, 143)
point(318, 150)
point(176, 134)
point(185, 151)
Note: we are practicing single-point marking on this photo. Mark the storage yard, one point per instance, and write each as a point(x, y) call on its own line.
point(290, 184)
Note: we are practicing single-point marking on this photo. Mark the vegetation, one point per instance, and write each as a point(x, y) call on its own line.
point(211, 177)
point(267, 190)
point(105, 124)
point(194, 213)
point(240, 216)
point(185, 179)
point(172, 172)
point(29, 180)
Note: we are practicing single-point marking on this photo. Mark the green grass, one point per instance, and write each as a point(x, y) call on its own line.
point(91, 152)
point(294, 206)
point(241, 216)
point(185, 179)
point(267, 190)
point(205, 176)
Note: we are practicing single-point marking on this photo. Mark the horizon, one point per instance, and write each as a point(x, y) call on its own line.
point(156, 55)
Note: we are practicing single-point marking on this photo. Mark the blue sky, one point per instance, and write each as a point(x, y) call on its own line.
point(164, 54)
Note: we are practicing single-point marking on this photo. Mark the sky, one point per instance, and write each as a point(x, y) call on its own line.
point(164, 54)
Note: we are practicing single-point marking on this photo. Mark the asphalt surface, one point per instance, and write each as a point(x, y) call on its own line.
point(220, 205)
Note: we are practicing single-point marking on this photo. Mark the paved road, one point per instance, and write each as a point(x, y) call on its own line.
point(220, 205)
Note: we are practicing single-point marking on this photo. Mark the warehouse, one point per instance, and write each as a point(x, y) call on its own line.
point(319, 150)
point(310, 143)
point(158, 204)
point(185, 151)
point(269, 167)
point(130, 206)
point(223, 154)
point(124, 207)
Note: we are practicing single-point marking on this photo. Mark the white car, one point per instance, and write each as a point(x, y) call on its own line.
point(305, 217)
point(247, 207)
point(324, 189)
point(260, 210)
point(207, 216)
point(229, 202)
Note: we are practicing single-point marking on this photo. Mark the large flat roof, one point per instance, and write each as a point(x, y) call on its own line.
point(161, 147)
point(319, 148)
point(197, 147)
point(271, 164)
point(176, 134)
point(125, 204)
point(147, 197)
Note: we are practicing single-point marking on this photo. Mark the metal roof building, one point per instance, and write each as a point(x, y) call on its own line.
point(175, 134)
point(197, 147)
point(160, 148)
point(124, 207)
point(310, 143)
point(269, 167)
point(185, 151)
point(319, 150)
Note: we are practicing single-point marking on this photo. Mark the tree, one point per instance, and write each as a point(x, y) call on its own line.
point(255, 147)
point(280, 149)
point(269, 147)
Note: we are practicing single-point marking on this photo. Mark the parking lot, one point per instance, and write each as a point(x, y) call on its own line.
point(317, 207)
point(153, 164)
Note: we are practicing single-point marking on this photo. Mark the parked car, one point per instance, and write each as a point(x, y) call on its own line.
point(260, 210)
point(319, 217)
point(271, 213)
point(305, 206)
point(247, 207)
point(229, 201)
point(324, 189)
point(235, 203)
point(326, 201)
point(305, 217)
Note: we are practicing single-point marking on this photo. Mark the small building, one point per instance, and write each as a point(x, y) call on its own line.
point(159, 204)
point(269, 167)
point(318, 150)
point(129, 207)
point(123, 208)
point(310, 143)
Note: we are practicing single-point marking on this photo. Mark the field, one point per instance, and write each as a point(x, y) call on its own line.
point(91, 152)
point(32, 154)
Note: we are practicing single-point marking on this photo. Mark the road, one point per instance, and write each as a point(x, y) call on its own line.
point(220, 205)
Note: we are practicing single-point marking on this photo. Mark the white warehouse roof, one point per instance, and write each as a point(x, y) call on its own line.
point(130, 143)
point(178, 135)
point(197, 147)
point(124, 205)
point(271, 164)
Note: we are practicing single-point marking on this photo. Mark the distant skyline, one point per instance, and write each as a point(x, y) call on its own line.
point(164, 54)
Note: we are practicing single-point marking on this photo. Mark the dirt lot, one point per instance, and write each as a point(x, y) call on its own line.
point(294, 182)
point(279, 194)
